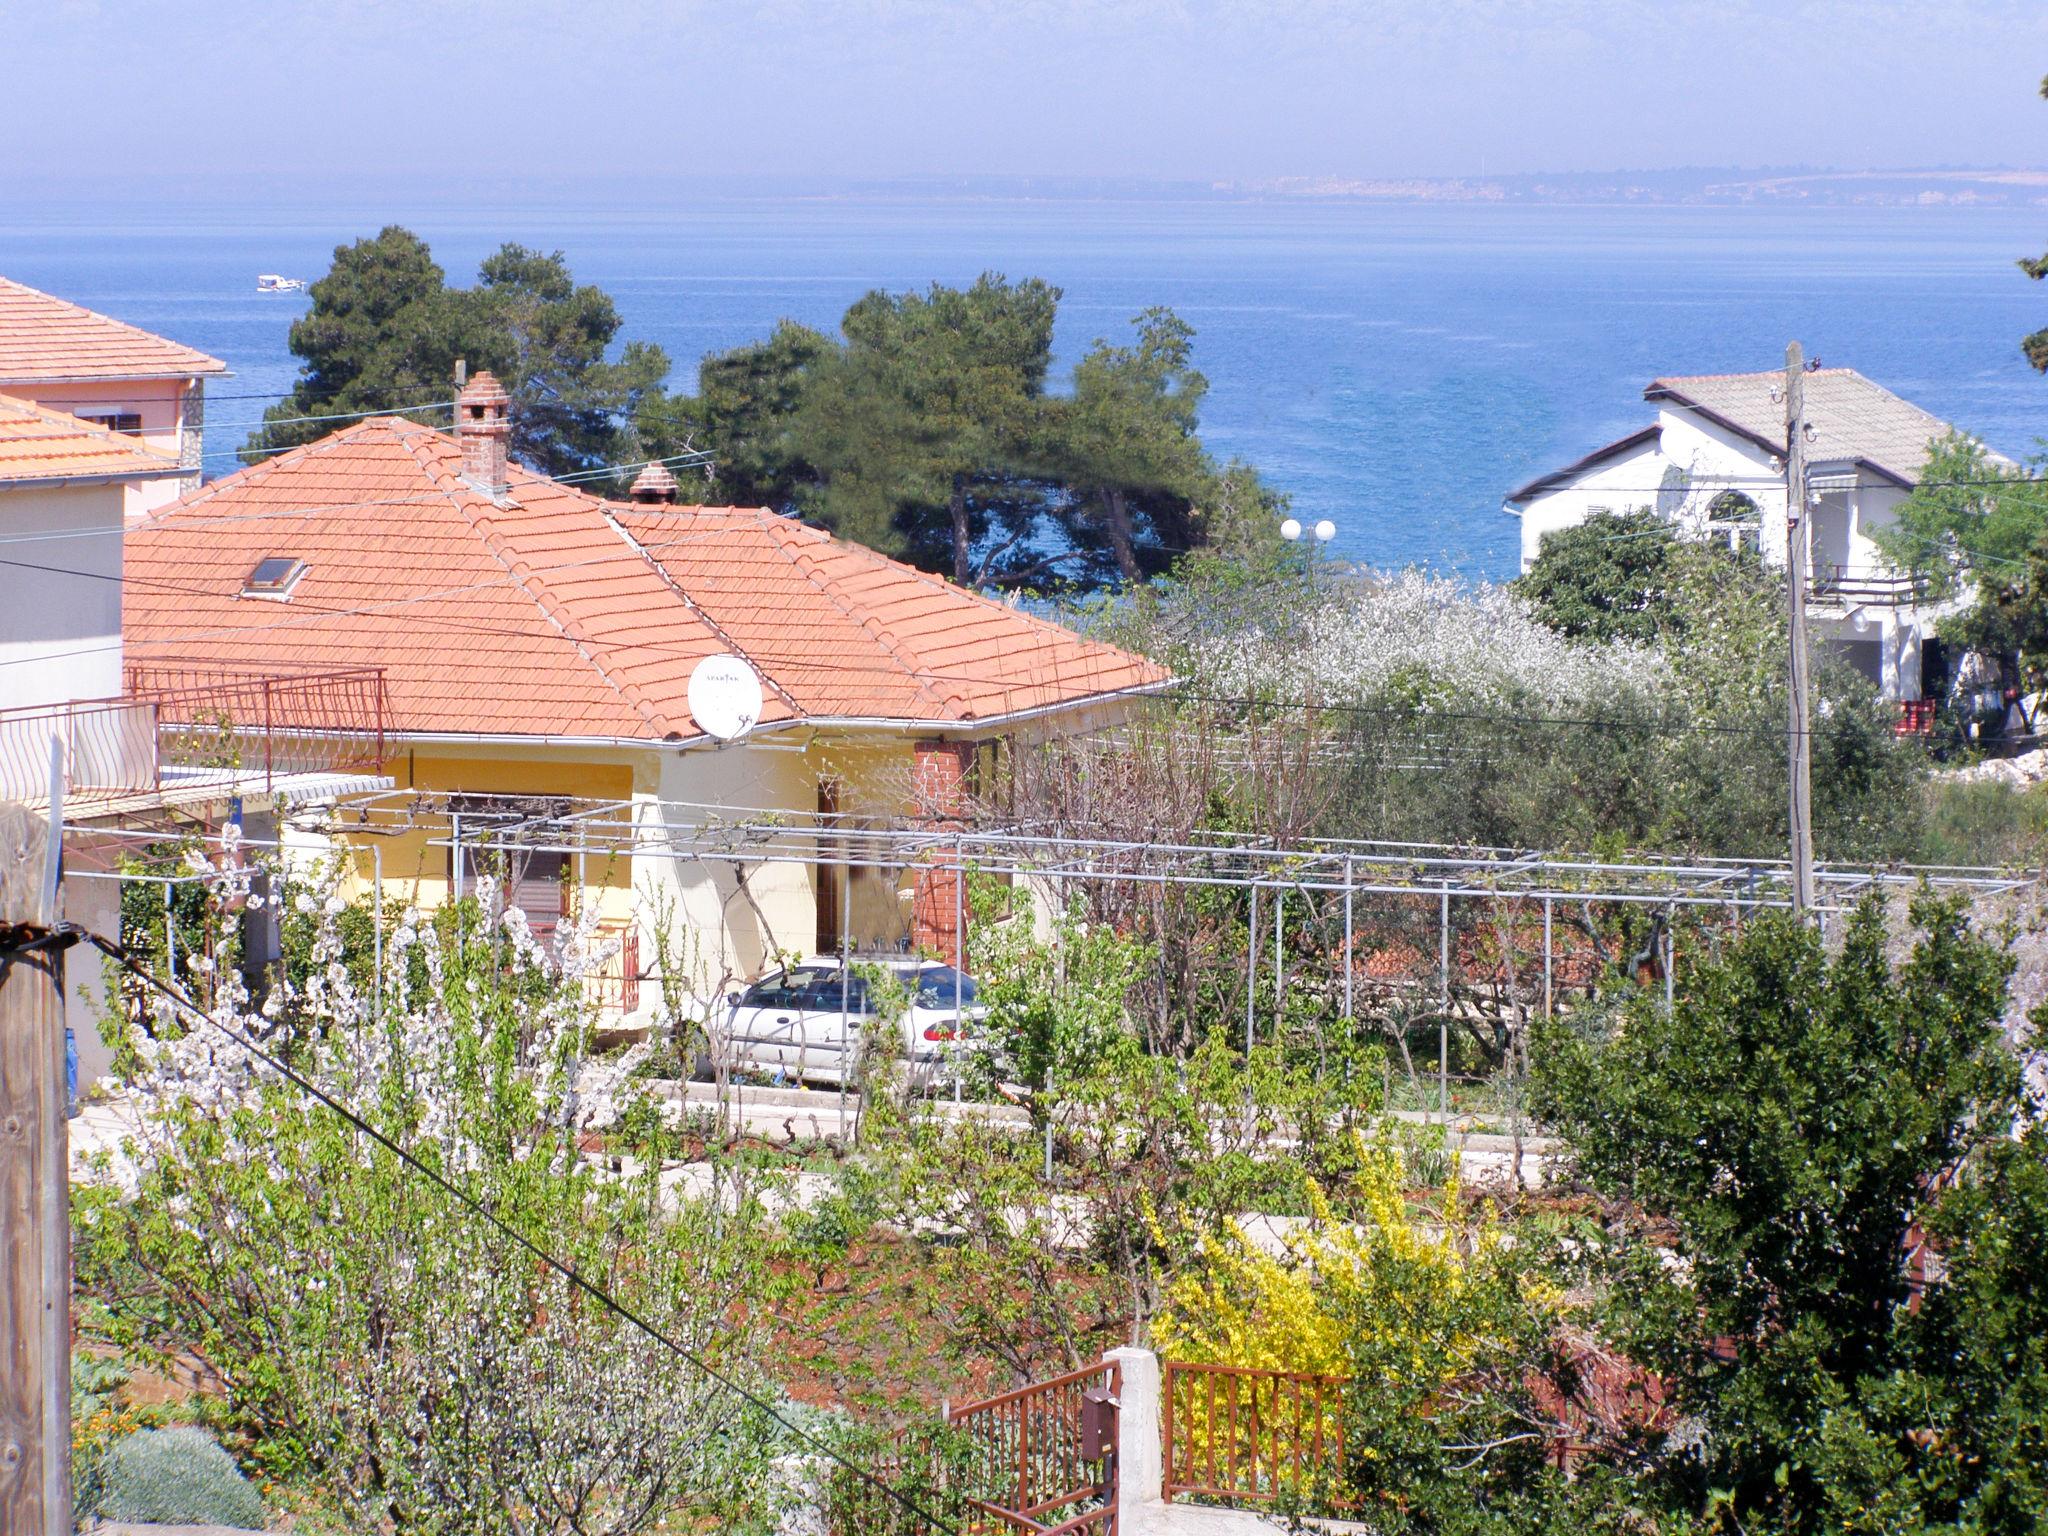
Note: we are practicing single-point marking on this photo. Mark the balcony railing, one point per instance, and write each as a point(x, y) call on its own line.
point(108, 749)
point(1857, 585)
point(180, 725)
point(615, 986)
point(255, 726)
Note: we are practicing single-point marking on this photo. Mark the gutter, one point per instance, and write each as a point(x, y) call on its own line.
point(800, 723)
point(46, 482)
point(162, 376)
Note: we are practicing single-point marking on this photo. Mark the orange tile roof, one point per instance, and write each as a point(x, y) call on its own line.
point(558, 614)
point(37, 443)
point(44, 339)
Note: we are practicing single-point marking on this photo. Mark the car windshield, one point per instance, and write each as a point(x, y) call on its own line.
point(940, 986)
point(814, 988)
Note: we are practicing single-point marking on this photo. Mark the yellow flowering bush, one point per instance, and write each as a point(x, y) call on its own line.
point(1368, 1291)
point(1244, 1304)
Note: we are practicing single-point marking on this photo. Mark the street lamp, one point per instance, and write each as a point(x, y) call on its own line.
point(1290, 530)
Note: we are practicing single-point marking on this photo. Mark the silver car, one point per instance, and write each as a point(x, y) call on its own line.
point(806, 1022)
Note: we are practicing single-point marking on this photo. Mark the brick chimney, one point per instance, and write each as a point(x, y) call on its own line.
point(483, 425)
point(655, 485)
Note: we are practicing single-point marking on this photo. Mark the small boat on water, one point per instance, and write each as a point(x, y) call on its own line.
point(270, 282)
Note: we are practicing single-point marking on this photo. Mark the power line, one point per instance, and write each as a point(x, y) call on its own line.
point(801, 661)
point(117, 953)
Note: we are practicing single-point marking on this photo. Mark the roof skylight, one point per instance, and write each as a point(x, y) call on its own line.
point(274, 577)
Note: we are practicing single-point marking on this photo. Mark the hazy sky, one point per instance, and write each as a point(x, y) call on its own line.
point(1154, 88)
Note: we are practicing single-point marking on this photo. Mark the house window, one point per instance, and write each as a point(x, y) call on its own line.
point(532, 880)
point(1738, 518)
point(127, 423)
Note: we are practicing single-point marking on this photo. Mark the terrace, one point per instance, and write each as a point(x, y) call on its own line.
point(186, 735)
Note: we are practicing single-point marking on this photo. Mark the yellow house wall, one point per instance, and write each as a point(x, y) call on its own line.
point(415, 863)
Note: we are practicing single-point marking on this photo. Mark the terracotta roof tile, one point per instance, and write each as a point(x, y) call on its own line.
point(44, 338)
point(557, 614)
point(37, 443)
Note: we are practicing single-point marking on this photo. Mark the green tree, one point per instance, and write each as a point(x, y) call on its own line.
point(385, 332)
point(1611, 577)
point(1125, 446)
point(1973, 515)
point(920, 423)
point(742, 416)
point(1773, 1149)
point(2036, 267)
point(925, 430)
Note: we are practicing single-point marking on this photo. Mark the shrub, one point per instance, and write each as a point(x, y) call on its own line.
point(177, 1477)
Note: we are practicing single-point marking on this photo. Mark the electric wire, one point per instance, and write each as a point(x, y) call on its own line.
point(120, 956)
point(798, 661)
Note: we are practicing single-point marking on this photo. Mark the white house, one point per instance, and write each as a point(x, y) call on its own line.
point(56, 354)
point(1712, 463)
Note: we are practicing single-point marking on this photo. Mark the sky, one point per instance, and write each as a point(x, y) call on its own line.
point(1237, 90)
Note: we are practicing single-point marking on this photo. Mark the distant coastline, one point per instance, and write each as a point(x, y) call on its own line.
point(2003, 187)
point(29, 192)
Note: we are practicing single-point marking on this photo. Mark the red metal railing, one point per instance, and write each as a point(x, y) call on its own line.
point(243, 723)
point(1916, 717)
point(615, 986)
point(179, 722)
point(1026, 1449)
point(1014, 1463)
point(1252, 1435)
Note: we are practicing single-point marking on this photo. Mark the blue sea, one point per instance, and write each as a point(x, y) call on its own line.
point(1394, 368)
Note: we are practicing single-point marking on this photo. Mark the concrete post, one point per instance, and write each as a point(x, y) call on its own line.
point(1140, 1467)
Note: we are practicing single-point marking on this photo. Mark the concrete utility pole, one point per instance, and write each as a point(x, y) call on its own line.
point(1797, 540)
point(35, 1259)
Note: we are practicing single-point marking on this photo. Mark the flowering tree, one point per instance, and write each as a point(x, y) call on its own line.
point(371, 1329)
point(1418, 641)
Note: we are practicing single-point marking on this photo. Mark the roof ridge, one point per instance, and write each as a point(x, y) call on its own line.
point(697, 610)
point(263, 469)
point(551, 607)
point(780, 529)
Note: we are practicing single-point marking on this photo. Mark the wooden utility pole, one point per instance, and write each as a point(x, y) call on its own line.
point(35, 1258)
point(1797, 541)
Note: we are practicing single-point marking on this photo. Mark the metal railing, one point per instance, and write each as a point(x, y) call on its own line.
point(258, 726)
point(1245, 1435)
point(190, 724)
point(1018, 1462)
point(108, 746)
point(1025, 1457)
point(615, 986)
point(1861, 584)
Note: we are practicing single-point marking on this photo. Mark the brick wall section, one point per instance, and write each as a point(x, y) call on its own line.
point(938, 787)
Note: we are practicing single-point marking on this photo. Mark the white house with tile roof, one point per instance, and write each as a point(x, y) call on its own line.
point(1712, 464)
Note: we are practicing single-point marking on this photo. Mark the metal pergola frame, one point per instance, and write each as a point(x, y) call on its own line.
point(691, 832)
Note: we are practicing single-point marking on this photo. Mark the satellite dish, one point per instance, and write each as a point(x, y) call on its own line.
point(725, 696)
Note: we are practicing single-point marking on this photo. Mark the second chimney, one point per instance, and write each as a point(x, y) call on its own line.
point(655, 487)
point(483, 425)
